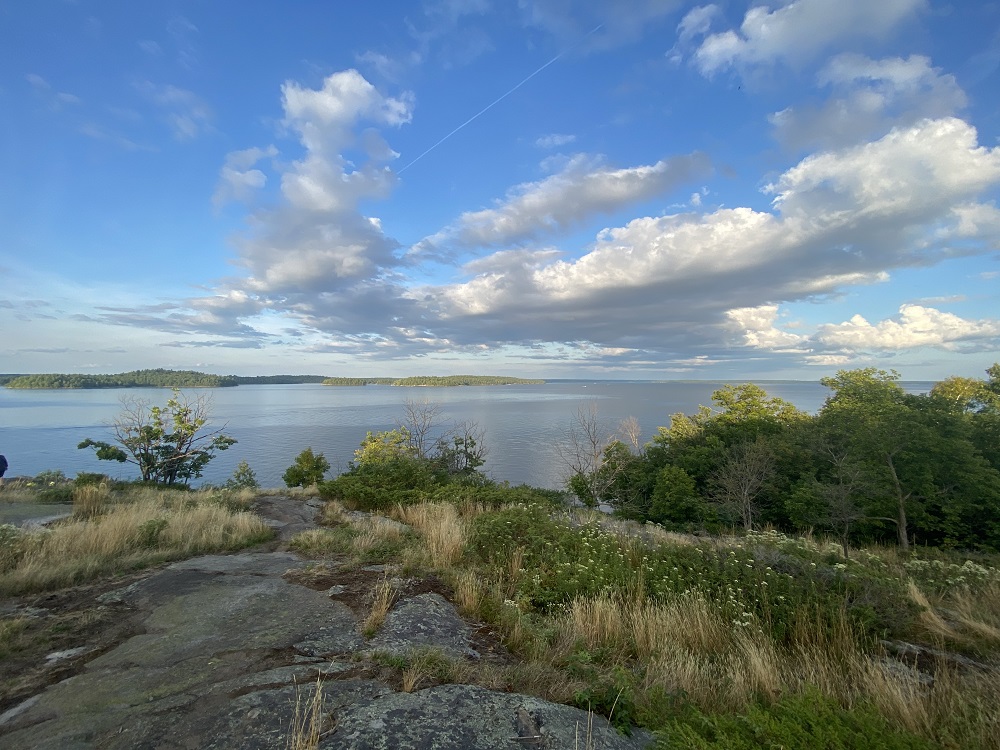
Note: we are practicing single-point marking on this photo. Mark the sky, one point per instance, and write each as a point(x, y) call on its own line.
point(641, 189)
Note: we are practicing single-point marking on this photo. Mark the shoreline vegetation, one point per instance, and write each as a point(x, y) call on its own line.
point(161, 378)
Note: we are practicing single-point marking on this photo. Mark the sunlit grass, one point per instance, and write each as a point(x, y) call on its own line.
point(126, 532)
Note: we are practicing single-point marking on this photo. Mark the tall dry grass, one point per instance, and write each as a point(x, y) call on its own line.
point(383, 597)
point(308, 719)
point(686, 647)
point(442, 528)
point(152, 527)
point(89, 500)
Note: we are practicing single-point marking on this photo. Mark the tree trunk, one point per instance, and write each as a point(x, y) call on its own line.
point(901, 498)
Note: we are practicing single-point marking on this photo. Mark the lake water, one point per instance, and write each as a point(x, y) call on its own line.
point(39, 430)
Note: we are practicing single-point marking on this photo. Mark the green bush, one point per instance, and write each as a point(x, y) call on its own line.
point(611, 697)
point(752, 583)
point(243, 478)
point(307, 470)
point(59, 493)
point(377, 486)
point(90, 478)
point(801, 722)
point(149, 532)
point(48, 478)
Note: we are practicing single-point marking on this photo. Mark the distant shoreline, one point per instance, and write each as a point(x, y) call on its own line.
point(161, 378)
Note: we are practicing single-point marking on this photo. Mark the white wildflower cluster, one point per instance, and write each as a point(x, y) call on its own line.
point(944, 575)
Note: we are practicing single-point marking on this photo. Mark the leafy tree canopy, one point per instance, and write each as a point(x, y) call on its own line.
point(169, 444)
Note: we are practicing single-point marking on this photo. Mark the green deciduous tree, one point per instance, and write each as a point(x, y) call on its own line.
point(169, 444)
point(924, 471)
point(675, 501)
point(307, 470)
point(243, 478)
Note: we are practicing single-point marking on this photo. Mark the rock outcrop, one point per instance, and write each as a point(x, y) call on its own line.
point(228, 649)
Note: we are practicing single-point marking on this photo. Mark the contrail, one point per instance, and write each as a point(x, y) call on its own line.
point(499, 99)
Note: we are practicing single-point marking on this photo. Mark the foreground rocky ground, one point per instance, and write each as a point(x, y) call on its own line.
point(221, 651)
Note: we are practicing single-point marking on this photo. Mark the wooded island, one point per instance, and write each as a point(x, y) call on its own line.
point(162, 378)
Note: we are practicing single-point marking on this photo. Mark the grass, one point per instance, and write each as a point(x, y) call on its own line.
point(12, 630)
point(669, 631)
point(308, 720)
point(363, 539)
point(383, 597)
point(116, 532)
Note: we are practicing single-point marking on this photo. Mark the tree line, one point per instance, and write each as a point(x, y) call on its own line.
point(156, 378)
point(163, 378)
point(875, 463)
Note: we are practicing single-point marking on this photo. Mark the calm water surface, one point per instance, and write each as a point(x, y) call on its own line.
point(39, 430)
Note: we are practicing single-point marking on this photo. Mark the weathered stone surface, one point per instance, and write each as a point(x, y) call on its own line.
point(424, 621)
point(465, 717)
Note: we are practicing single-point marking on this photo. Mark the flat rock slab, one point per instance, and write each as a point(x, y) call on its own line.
point(465, 717)
point(424, 621)
point(209, 621)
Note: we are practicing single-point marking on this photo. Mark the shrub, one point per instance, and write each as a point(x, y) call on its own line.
point(377, 486)
point(495, 495)
point(243, 478)
point(48, 478)
point(59, 493)
point(307, 470)
point(88, 478)
point(149, 532)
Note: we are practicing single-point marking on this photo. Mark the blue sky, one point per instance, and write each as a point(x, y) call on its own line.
point(645, 189)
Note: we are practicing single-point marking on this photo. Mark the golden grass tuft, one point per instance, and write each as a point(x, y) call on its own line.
point(308, 719)
point(469, 592)
point(89, 500)
point(128, 535)
point(442, 528)
point(929, 619)
point(383, 597)
point(332, 514)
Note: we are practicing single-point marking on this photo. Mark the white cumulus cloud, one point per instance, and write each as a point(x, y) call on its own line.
point(916, 326)
point(798, 31)
point(584, 188)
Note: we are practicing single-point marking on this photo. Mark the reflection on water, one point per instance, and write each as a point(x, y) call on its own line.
point(39, 430)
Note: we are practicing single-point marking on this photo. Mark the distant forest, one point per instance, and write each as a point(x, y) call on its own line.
point(161, 378)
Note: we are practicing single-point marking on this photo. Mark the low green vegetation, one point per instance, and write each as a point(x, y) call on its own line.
point(711, 642)
point(750, 638)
